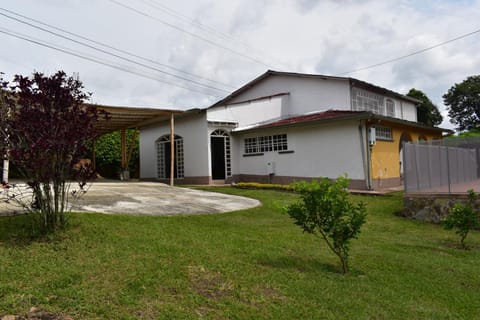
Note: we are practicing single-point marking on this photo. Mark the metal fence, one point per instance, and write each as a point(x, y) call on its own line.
point(442, 166)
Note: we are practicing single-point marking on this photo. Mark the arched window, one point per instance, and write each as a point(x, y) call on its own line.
point(220, 154)
point(163, 157)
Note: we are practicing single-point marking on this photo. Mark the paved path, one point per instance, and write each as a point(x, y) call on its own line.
point(151, 198)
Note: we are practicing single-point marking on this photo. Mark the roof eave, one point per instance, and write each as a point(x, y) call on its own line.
point(410, 123)
point(360, 116)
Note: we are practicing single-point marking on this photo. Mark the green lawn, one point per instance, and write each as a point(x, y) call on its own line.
point(252, 264)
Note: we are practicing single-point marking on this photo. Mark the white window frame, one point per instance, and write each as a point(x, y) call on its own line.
point(390, 107)
point(363, 100)
point(179, 157)
point(261, 144)
point(384, 133)
point(228, 150)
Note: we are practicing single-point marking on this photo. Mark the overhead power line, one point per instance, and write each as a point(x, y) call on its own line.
point(412, 53)
point(192, 34)
point(96, 60)
point(162, 7)
point(113, 54)
point(114, 48)
point(212, 31)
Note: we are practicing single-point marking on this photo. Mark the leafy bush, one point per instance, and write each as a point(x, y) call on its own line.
point(463, 217)
point(44, 132)
point(325, 211)
point(108, 154)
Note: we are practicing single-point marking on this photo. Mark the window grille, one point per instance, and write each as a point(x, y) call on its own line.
point(280, 142)
point(383, 133)
point(363, 100)
point(161, 154)
point(266, 143)
point(390, 108)
point(251, 145)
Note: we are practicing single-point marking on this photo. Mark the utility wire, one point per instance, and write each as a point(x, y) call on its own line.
point(95, 59)
point(113, 54)
point(191, 34)
point(219, 34)
point(179, 15)
point(116, 49)
point(412, 53)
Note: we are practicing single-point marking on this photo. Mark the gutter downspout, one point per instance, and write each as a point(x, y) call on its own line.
point(369, 162)
point(366, 155)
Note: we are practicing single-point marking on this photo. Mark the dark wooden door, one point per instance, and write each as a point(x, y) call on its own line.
point(218, 157)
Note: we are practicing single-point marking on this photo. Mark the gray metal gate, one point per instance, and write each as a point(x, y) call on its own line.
point(445, 166)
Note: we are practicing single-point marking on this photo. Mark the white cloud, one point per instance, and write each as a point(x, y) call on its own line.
point(327, 37)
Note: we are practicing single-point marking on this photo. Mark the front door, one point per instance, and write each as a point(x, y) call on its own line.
point(217, 145)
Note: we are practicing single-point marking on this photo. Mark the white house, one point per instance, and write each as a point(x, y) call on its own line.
point(283, 127)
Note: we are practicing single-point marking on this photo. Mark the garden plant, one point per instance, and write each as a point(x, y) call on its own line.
point(326, 211)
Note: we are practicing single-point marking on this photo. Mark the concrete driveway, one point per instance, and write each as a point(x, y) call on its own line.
point(151, 198)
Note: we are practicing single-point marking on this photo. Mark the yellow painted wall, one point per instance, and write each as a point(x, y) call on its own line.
point(385, 156)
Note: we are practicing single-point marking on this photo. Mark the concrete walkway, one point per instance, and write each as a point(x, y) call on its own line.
point(151, 198)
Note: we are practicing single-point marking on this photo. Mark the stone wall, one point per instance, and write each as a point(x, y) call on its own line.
point(432, 207)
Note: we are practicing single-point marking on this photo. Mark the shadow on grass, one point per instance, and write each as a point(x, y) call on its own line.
point(444, 247)
point(19, 231)
point(298, 264)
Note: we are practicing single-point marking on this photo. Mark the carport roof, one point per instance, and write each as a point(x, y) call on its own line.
point(131, 117)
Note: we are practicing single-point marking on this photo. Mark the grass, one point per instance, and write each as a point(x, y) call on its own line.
point(252, 264)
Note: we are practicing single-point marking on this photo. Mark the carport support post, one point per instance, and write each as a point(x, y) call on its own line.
point(172, 149)
point(124, 151)
point(94, 156)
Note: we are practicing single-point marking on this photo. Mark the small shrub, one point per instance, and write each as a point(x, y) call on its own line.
point(463, 217)
point(325, 211)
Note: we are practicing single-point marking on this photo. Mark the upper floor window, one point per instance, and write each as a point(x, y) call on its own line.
point(363, 100)
point(390, 108)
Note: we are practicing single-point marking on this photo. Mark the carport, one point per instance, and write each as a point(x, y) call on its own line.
point(123, 118)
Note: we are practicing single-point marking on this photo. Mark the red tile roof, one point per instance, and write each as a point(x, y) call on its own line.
point(325, 115)
point(336, 115)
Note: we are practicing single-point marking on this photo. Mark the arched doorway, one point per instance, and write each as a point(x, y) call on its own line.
point(220, 155)
point(163, 157)
point(405, 137)
point(422, 138)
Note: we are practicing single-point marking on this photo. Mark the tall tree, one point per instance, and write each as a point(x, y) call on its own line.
point(427, 112)
point(463, 101)
point(47, 131)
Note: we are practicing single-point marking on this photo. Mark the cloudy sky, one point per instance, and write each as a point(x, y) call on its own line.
point(188, 54)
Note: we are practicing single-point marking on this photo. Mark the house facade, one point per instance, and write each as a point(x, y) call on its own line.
point(282, 127)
